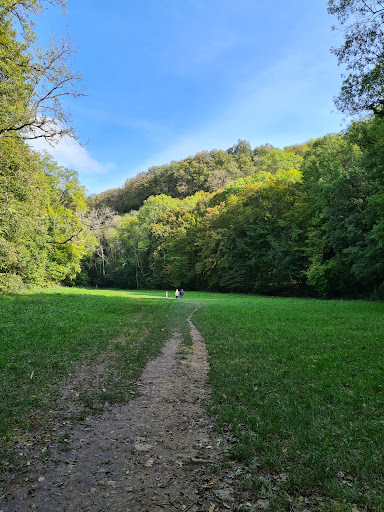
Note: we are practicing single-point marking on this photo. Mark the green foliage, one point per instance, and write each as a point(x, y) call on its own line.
point(34, 80)
point(308, 220)
point(277, 160)
point(11, 283)
point(237, 239)
point(362, 52)
point(342, 245)
point(23, 199)
point(43, 229)
point(205, 171)
point(42, 205)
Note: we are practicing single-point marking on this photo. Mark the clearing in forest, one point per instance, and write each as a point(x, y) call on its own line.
point(293, 393)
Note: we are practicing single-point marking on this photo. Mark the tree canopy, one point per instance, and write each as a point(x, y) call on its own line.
point(362, 23)
point(307, 220)
point(206, 171)
point(34, 80)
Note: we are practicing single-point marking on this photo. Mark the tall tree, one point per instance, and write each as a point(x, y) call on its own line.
point(362, 22)
point(33, 80)
point(43, 229)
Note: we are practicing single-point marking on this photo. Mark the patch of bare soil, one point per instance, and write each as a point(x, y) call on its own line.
point(159, 452)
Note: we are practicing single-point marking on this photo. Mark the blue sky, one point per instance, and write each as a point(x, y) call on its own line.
point(168, 78)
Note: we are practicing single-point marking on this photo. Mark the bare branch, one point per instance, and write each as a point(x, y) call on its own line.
point(69, 239)
point(35, 82)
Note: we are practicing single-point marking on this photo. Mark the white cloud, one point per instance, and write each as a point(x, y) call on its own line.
point(275, 105)
point(69, 153)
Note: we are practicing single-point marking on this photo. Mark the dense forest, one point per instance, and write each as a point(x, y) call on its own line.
point(306, 219)
point(44, 231)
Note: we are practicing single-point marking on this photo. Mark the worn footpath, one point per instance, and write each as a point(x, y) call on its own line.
point(157, 453)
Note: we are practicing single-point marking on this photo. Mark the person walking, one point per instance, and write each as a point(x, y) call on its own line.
point(166, 295)
point(181, 293)
point(177, 293)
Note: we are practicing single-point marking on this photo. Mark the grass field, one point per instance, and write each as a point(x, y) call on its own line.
point(300, 384)
point(48, 338)
point(297, 384)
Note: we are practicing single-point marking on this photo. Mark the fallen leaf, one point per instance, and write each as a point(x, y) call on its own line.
point(149, 463)
point(41, 478)
point(209, 485)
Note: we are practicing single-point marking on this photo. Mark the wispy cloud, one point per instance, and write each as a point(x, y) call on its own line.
point(70, 153)
point(274, 105)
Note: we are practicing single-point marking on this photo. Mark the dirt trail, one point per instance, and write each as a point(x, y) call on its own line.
point(157, 453)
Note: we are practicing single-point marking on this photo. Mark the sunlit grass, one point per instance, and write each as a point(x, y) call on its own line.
point(300, 383)
point(47, 338)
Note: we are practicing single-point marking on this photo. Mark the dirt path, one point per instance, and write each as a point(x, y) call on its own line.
point(157, 453)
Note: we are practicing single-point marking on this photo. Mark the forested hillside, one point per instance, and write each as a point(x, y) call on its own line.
point(308, 219)
point(205, 171)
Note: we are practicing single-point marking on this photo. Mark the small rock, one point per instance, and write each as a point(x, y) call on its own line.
point(143, 447)
point(262, 504)
point(224, 494)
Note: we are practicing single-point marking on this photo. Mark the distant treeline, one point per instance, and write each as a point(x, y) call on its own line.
point(206, 171)
point(306, 219)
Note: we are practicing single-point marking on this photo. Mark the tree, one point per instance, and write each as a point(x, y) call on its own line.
point(244, 243)
point(23, 230)
point(131, 267)
point(333, 201)
point(43, 228)
point(225, 170)
point(33, 80)
point(362, 22)
point(277, 160)
point(242, 154)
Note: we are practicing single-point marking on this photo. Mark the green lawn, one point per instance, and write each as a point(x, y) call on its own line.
point(48, 338)
point(297, 384)
point(300, 383)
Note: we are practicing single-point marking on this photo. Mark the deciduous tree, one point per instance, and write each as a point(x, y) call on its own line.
point(33, 80)
point(362, 22)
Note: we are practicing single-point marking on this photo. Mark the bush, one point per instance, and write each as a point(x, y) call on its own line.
point(11, 283)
